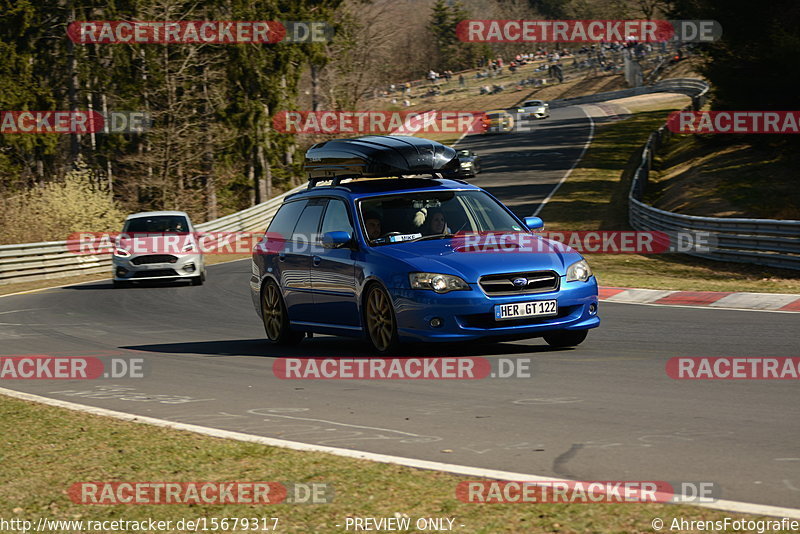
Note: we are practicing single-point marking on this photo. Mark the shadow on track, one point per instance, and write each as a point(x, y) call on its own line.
point(335, 347)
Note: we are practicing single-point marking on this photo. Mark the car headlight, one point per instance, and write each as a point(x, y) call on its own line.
point(121, 252)
point(189, 247)
point(441, 283)
point(466, 164)
point(579, 271)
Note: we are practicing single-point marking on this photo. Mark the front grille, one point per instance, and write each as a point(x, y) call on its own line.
point(535, 282)
point(155, 273)
point(154, 258)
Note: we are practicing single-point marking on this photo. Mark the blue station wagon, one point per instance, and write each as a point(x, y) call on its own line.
point(374, 248)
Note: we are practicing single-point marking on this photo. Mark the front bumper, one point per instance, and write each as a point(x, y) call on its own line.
point(184, 266)
point(468, 315)
point(463, 171)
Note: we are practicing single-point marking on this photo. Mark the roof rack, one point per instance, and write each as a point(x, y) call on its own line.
point(376, 156)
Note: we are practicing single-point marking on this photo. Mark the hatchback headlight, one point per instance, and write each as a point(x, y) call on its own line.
point(579, 271)
point(441, 283)
point(121, 252)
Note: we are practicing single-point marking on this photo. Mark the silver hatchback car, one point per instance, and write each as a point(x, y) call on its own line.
point(158, 245)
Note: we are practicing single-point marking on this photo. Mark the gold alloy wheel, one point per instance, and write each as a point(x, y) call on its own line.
point(272, 312)
point(380, 319)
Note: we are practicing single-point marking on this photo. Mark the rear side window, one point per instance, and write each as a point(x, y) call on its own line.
point(286, 219)
point(308, 224)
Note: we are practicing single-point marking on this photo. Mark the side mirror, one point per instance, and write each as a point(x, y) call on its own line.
point(534, 223)
point(336, 239)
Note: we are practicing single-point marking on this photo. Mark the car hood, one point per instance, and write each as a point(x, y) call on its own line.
point(453, 256)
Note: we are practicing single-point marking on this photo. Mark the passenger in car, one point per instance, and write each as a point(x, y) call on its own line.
point(435, 223)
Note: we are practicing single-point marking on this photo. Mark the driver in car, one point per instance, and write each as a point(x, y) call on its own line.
point(373, 223)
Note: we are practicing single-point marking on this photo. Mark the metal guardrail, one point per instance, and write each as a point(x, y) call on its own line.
point(42, 261)
point(769, 242)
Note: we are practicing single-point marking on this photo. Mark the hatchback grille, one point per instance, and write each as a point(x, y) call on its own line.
point(519, 283)
point(154, 258)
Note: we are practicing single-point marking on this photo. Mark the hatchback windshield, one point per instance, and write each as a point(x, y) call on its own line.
point(432, 215)
point(157, 223)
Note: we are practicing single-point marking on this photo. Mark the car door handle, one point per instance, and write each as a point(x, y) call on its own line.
point(316, 260)
point(282, 256)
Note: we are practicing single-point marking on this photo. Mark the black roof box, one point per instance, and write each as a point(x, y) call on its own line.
point(375, 156)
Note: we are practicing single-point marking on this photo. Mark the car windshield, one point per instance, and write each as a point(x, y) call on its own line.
point(464, 153)
point(495, 115)
point(157, 224)
point(531, 103)
point(432, 215)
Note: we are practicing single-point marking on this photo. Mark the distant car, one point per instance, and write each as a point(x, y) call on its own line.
point(534, 109)
point(158, 245)
point(469, 165)
point(498, 121)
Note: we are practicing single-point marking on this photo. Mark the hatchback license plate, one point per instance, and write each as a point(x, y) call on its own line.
point(516, 310)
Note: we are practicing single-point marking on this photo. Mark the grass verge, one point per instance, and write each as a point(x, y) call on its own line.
point(720, 176)
point(60, 447)
point(595, 198)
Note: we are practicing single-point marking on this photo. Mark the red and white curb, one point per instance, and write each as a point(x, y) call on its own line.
point(712, 299)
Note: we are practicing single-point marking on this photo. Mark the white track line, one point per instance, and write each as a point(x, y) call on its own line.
point(730, 506)
point(575, 164)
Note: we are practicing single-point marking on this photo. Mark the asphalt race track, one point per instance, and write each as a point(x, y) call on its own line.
point(522, 167)
point(604, 411)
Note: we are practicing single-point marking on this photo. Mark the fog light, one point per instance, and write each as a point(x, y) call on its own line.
point(189, 267)
point(592, 309)
point(121, 271)
point(436, 322)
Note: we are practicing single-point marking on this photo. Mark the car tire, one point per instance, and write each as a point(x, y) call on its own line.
point(380, 321)
point(199, 279)
point(566, 338)
point(275, 318)
point(120, 283)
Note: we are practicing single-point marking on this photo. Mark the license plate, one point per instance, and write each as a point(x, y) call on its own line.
point(537, 308)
